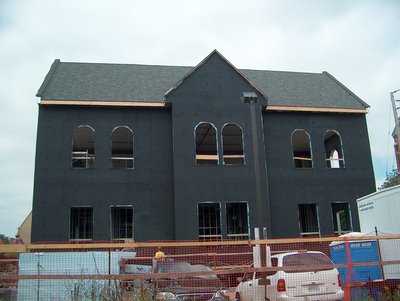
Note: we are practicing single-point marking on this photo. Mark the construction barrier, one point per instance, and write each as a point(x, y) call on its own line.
point(321, 268)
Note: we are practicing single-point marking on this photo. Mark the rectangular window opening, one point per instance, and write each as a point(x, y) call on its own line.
point(209, 215)
point(237, 221)
point(122, 222)
point(81, 223)
point(308, 218)
point(341, 216)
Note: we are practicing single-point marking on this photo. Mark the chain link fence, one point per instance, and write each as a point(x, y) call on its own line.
point(328, 268)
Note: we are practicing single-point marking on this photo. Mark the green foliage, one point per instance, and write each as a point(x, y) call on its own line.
point(392, 179)
point(388, 295)
point(4, 238)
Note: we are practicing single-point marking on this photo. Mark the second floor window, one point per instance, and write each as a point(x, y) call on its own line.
point(333, 150)
point(122, 148)
point(206, 144)
point(302, 154)
point(232, 144)
point(83, 147)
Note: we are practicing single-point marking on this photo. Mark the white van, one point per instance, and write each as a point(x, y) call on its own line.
point(303, 275)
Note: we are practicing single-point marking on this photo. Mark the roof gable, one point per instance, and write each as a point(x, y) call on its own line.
point(214, 53)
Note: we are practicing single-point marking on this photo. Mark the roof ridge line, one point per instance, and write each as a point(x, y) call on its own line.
point(126, 64)
point(282, 71)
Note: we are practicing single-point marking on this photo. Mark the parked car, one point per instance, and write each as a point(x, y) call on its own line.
point(303, 275)
point(185, 287)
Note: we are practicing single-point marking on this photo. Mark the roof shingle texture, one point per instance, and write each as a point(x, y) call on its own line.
point(149, 83)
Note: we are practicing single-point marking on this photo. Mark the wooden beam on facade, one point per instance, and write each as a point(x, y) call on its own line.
point(102, 103)
point(315, 110)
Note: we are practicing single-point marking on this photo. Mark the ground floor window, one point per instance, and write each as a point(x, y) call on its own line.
point(209, 215)
point(237, 220)
point(341, 216)
point(121, 222)
point(308, 218)
point(81, 223)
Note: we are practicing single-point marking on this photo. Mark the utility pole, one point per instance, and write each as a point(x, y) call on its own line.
point(396, 130)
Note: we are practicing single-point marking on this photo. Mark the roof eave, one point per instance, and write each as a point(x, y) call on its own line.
point(48, 77)
point(363, 103)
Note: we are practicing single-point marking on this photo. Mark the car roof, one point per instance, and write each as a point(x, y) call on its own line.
point(281, 255)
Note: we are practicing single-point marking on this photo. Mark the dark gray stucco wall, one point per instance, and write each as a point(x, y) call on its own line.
point(148, 187)
point(212, 94)
point(291, 186)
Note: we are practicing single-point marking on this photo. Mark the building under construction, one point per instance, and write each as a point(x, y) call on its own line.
point(145, 152)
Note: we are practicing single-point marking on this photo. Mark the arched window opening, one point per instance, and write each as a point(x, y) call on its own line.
point(83, 147)
point(232, 144)
point(206, 144)
point(302, 155)
point(333, 150)
point(334, 159)
point(122, 148)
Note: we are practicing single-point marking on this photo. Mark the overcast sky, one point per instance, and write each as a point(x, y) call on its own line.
point(358, 42)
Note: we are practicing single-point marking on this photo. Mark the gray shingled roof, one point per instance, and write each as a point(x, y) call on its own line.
point(149, 83)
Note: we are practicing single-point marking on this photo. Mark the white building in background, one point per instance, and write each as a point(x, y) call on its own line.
point(380, 209)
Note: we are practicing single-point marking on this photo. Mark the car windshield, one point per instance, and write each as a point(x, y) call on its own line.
point(304, 262)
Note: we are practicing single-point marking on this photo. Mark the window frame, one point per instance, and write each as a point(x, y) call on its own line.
point(350, 218)
point(112, 230)
point(242, 156)
point(339, 149)
point(302, 160)
point(301, 226)
point(126, 159)
point(237, 236)
point(71, 223)
point(83, 155)
point(218, 223)
point(199, 157)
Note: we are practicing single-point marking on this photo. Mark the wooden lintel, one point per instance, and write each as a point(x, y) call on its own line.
point(207, 157)
point(302, 158)
point(102, 103)
point(316, 110)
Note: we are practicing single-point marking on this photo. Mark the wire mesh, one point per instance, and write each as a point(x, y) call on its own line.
point(328, 268)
